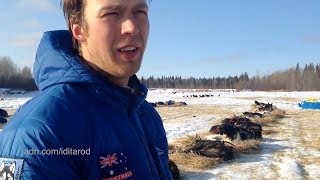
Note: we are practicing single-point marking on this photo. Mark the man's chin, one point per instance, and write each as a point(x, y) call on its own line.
point(131, 72)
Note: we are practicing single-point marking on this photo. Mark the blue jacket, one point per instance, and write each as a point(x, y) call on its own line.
point(80, 125)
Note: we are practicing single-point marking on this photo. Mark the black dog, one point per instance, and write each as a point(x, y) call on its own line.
point(174, 170)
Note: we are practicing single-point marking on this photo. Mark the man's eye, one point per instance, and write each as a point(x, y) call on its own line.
point(110, 14)
point(142, 12)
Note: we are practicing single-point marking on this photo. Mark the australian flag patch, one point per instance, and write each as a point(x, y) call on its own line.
point(114, 167)
point(10, 168)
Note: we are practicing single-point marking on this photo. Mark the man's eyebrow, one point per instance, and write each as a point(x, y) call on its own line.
point(119, 6)
point(109, 7)
point(141, 6)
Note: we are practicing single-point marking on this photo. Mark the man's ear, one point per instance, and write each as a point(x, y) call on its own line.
point(78, 32)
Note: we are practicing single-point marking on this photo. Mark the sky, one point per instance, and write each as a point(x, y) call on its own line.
point(205, 38)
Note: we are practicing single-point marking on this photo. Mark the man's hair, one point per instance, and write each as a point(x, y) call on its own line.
point(73, 11)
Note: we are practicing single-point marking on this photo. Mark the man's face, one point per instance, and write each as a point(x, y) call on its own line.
point(116, 36)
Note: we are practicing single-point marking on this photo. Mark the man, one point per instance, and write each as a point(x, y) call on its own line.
point(90, 119)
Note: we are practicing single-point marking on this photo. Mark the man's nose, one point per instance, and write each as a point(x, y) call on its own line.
point(129, 26)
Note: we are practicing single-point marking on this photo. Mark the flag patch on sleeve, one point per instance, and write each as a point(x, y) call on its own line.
point(10, 168)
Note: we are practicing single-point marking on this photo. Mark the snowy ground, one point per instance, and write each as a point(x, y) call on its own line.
point(291, 153)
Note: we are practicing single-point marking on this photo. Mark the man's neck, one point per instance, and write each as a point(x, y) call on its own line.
point(120, 81)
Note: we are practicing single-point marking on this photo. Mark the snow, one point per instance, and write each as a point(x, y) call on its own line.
point(280, 156)
point(12, 99)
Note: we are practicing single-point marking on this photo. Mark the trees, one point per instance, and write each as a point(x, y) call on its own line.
point(292, 79)
point(7, 70)
point(13, 77)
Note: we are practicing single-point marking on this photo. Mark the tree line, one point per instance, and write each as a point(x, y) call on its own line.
point(306, 78)
point(292, 79)
point(13, 77)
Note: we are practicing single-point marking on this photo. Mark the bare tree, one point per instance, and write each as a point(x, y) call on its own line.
point(7, 70)
point(13, 77)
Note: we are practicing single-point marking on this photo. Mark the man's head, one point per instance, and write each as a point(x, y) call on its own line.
point(111, 35)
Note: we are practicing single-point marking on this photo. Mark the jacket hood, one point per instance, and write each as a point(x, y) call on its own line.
point(58, 62)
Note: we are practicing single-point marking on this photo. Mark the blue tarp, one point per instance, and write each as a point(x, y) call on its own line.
point(309, 105)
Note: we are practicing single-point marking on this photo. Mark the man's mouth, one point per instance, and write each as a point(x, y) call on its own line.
point(129, 53)
point(128, 49)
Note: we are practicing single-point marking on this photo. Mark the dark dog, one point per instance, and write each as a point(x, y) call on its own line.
point(211, 148)
point(174, 170)
point(3, 120)
point(3, 113)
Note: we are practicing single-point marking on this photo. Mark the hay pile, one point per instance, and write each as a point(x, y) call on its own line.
point(269, 117)
point(193, 162)
point(196, 163)
point(247, 146)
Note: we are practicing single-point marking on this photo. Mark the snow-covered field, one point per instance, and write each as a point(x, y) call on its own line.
point(291, 153)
